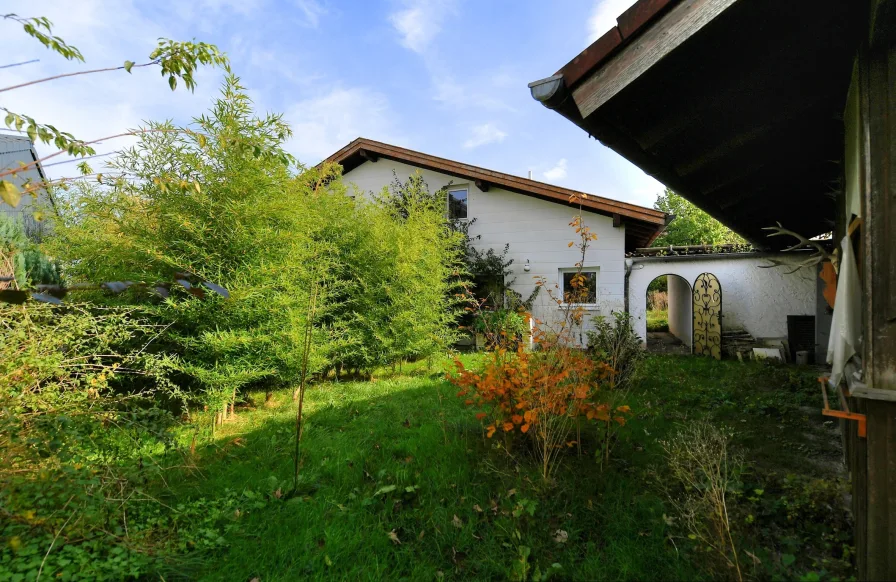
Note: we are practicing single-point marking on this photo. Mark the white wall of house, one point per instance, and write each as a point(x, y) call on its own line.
point(681, 312)
point(758, 300)
point(537, 231)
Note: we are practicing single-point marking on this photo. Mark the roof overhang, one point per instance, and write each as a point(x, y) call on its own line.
point(737, 105)
point(642, 225)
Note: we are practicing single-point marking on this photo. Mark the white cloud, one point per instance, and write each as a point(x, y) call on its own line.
point(465, 95)
point(484, 134)
point(603, 17)
point(312, 11)
point(420, 21)
point(558, 172)
point(323, 124)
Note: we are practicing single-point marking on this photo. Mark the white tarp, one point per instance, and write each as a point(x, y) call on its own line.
point(846, 325)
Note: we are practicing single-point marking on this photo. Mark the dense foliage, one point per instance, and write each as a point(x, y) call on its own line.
point(218, 199)
point(691, 225)
point(92, 392)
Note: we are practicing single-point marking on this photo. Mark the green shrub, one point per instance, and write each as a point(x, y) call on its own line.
point(218, 200)
point(501, 327)
point(616, 344)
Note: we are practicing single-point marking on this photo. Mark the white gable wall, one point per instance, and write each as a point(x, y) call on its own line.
point(537, 231)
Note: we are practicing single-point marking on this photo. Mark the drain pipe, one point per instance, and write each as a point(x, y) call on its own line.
point(628, 272)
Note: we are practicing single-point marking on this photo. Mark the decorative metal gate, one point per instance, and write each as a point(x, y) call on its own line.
point(708, 316)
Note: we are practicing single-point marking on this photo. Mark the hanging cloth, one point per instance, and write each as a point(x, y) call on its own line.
point(846, 325)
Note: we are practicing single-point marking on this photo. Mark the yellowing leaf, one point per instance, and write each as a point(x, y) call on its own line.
point(394, 537)
point(10, 193)
point(128, 65)
point(457, 522)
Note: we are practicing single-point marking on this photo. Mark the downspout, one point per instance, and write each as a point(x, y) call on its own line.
point(628, 272)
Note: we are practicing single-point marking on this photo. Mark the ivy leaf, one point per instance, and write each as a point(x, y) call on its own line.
point(128, 65)
point(787, 559)
point(10, 193)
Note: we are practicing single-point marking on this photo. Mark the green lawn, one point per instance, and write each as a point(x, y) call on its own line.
point(398, 483)
point(657, 320)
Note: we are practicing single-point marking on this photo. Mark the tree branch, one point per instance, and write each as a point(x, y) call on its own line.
point(19, 86)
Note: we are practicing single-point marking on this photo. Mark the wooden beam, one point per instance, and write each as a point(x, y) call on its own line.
point(482, 185)
point(617, 221)
point(647, 49)
point(638, 15)
point(368, 155)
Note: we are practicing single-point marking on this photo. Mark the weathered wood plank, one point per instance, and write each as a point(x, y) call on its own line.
point(881, 518)
point(657, 41)
point(878, 79)
point(574, 70)
point(639, 14)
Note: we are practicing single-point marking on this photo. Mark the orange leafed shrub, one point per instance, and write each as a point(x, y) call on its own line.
point(518, 390)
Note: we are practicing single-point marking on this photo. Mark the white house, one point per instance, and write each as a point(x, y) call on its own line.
point(533, 218)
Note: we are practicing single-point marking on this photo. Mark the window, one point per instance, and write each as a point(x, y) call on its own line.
point(457, 204)
point(579, 286)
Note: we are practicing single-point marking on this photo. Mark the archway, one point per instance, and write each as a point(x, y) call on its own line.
point(669, 315)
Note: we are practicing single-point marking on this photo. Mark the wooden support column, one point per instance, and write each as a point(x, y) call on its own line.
point(873, 463)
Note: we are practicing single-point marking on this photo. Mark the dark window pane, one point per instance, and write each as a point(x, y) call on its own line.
point(457, 204)
point(580, 287)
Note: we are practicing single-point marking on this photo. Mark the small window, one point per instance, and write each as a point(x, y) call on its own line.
point(457, 204)
point(579, 287)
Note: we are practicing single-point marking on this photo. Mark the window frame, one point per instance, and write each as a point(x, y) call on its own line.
point(565, 270)
point(456, 188)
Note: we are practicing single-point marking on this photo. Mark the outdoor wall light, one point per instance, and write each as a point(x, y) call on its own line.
point(526, 267)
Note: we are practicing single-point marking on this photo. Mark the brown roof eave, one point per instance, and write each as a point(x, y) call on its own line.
point(629, 24)
point(509, 182)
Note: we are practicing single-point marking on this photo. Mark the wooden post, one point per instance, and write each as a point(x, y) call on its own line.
point(873, 460)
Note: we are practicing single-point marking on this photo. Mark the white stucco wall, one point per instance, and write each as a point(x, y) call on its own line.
point(681, 312)
point(758, 300)
point(537, 231)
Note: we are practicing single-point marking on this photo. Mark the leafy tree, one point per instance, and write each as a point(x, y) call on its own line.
point(177, 61)
point(212, 200)
point(691, 225)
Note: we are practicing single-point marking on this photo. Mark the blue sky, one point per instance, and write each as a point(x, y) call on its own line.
point(447, 77)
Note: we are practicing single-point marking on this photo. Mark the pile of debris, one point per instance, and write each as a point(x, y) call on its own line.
point(738, 344)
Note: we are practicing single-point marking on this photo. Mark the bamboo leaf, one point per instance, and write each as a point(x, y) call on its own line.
point(10, 193)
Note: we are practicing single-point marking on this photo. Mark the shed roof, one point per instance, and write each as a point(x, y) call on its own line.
point(737, 105)
point(642, 225)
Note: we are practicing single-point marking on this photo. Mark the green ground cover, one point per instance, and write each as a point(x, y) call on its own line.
point(399, 483)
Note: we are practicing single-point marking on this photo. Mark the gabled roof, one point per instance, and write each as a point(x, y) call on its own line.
point(737, 105)
point(642, 225)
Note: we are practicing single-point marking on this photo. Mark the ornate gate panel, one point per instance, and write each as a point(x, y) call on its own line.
point(708, 316)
